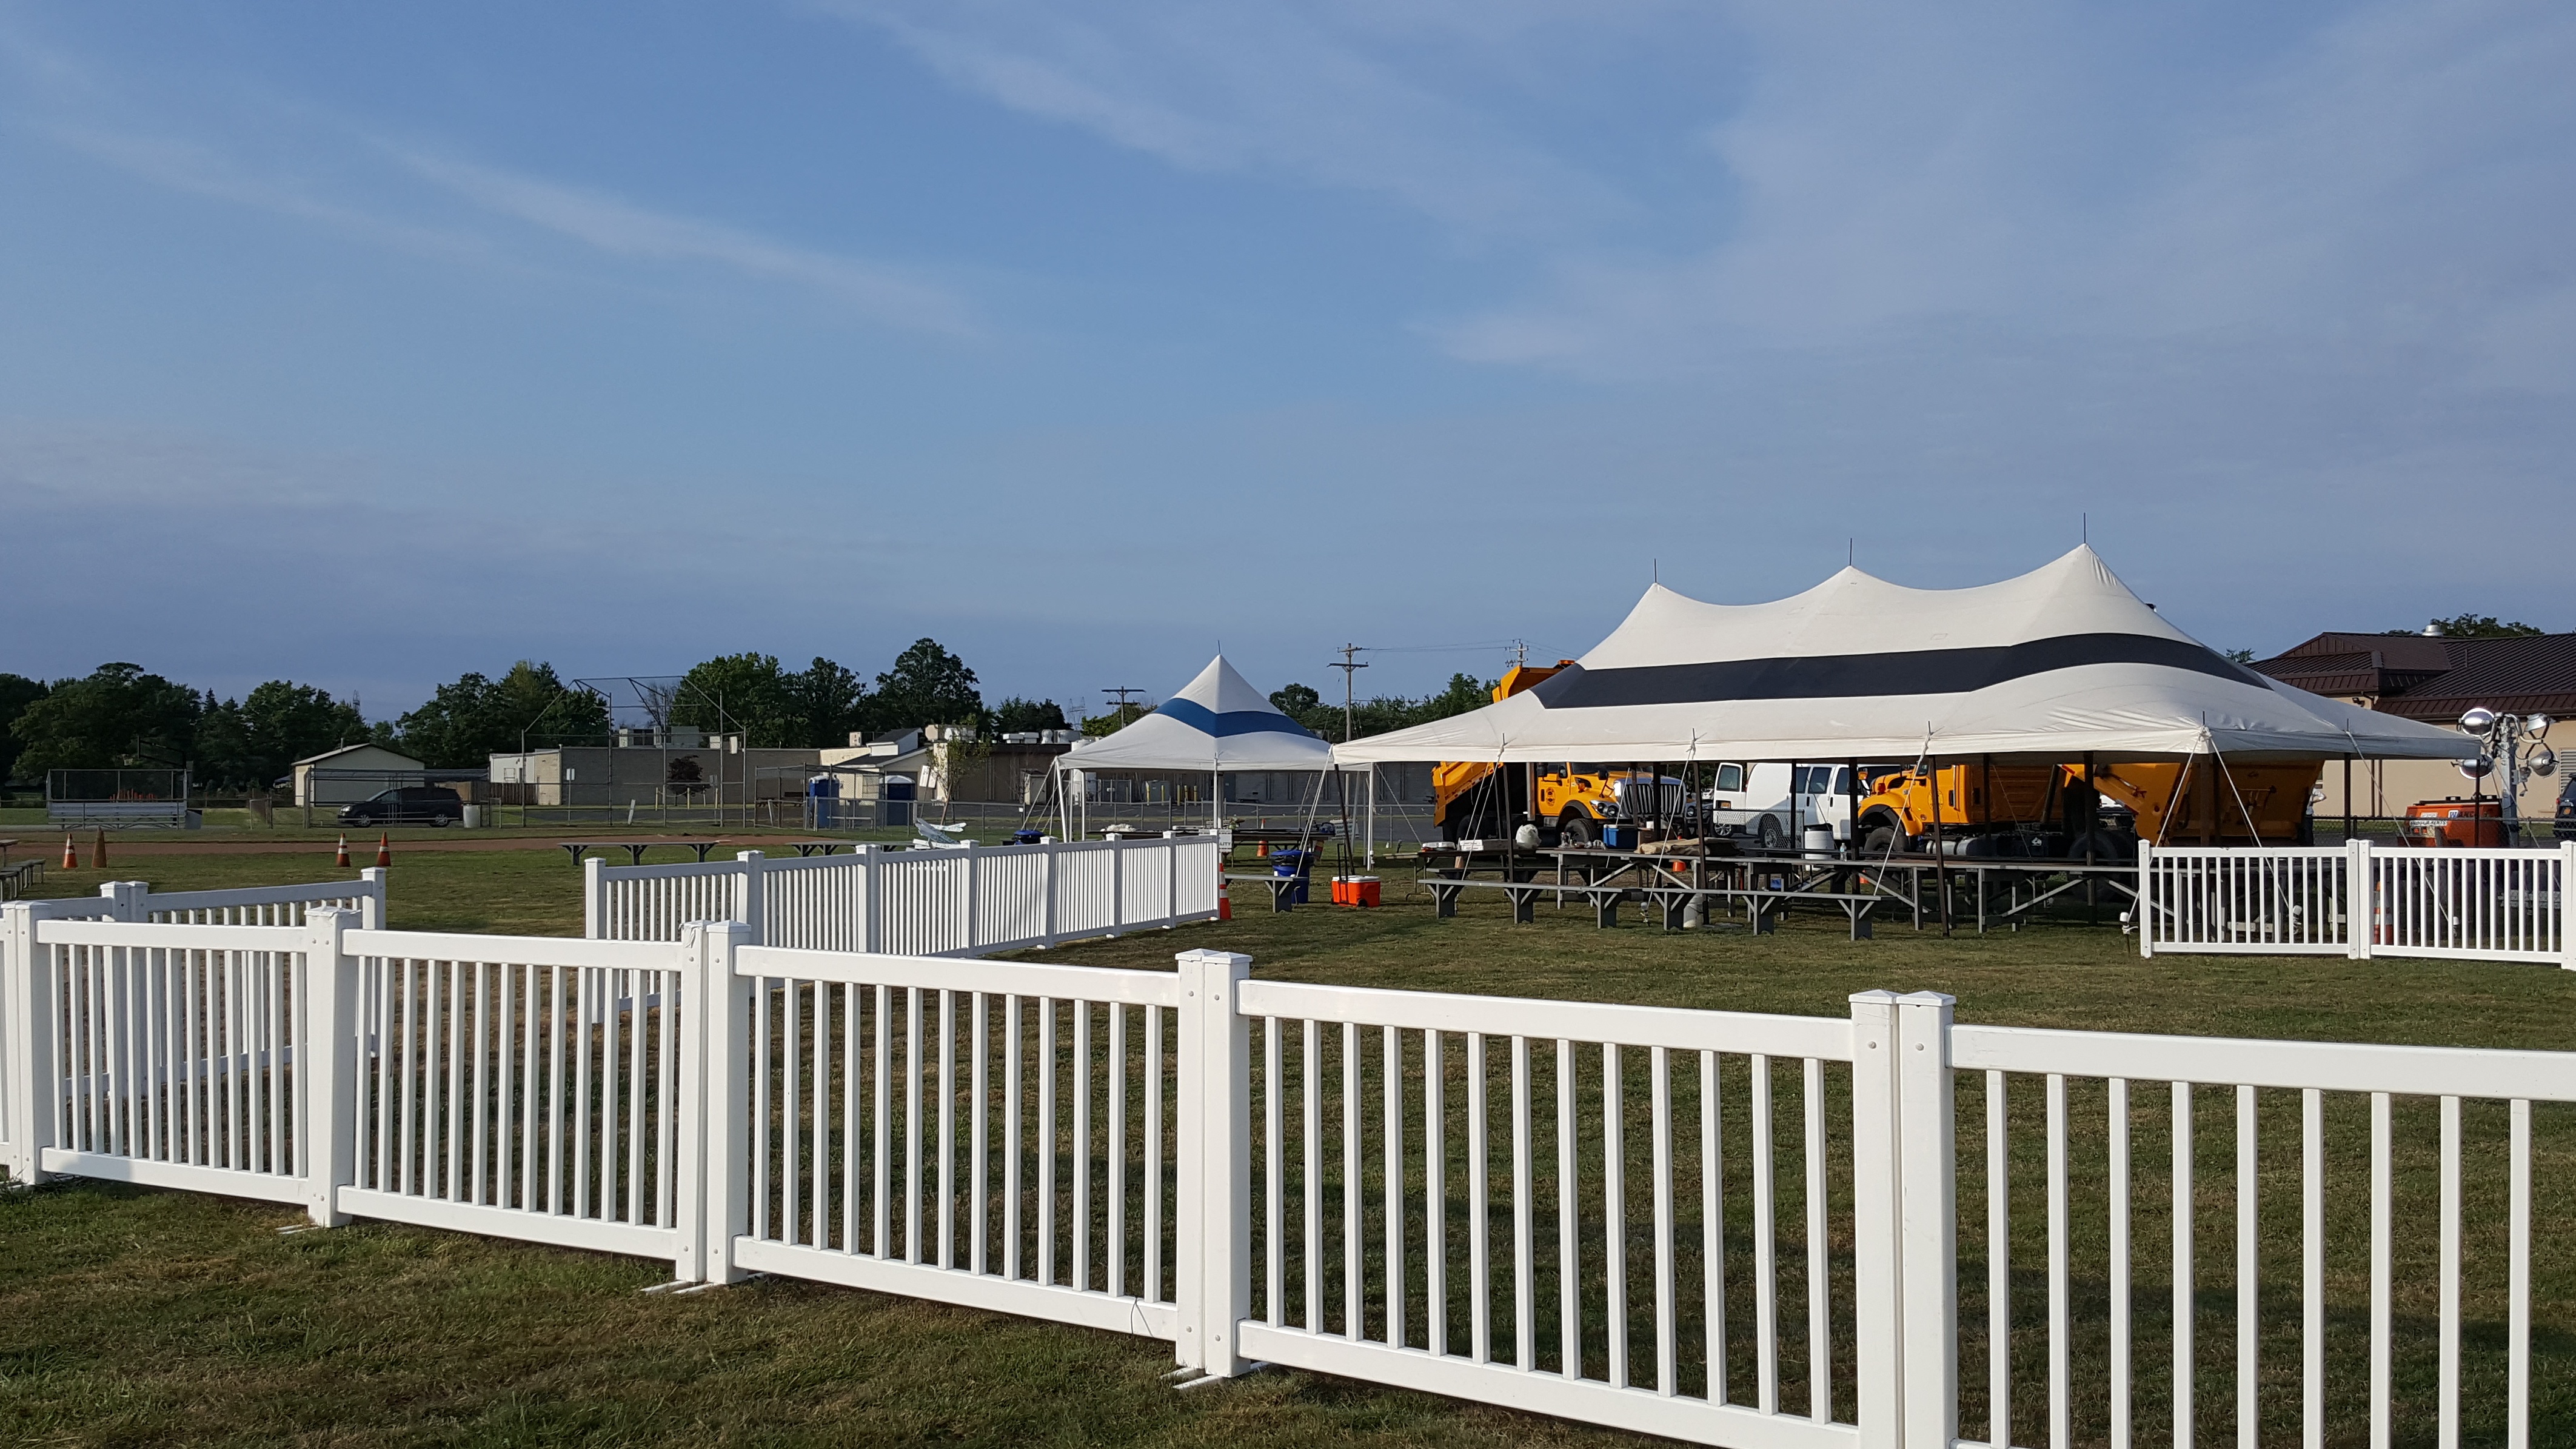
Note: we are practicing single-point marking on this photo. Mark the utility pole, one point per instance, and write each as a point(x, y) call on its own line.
point(1520, 653)
point(1349, 675)
point(1122, 691)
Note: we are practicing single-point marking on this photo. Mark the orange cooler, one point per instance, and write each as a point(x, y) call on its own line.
point(1357, 890)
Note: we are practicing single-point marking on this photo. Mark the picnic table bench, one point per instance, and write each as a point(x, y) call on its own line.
point(634, 848)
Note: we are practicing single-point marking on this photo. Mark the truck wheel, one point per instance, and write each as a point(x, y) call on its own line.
point(1882, 840)
point(1768, 835)
point(1574, 830)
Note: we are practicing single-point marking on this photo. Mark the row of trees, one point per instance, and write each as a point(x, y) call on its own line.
point(824, 704)
point(120, 715)
point(1381, 713)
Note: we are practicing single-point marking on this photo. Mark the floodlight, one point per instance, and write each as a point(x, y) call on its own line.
point(2478, 721)
point(2476, 769)
point(2537, 725)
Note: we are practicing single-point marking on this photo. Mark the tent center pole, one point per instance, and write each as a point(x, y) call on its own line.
point(1940, 850)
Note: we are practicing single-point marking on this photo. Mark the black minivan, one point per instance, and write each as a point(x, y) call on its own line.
point(407, 805)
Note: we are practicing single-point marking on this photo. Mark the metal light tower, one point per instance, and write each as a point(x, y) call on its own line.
point(2515, 753)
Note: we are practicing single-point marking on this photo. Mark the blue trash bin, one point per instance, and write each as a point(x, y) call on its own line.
point(1292, 862)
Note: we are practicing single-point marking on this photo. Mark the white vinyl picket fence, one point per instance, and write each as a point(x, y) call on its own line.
point(135, 901)
point(2360, 901)
point(1721, 1227)
point(968, 901)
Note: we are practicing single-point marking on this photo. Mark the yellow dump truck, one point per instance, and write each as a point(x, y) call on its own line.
point(2016, 809)
point(1573, 802)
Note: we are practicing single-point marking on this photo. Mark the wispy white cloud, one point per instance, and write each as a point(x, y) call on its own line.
point(326, 170)
point(622, 228)
point(198, 170)
point(2393, 178)
point(1340, 95)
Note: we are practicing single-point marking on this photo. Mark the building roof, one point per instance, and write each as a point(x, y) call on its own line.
point(360, 745)
point(2434, 678)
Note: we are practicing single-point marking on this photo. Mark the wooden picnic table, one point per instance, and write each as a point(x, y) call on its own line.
point(634, 848)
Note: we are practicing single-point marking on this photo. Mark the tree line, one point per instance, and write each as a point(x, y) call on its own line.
point(1381, 713)
point(120, 715)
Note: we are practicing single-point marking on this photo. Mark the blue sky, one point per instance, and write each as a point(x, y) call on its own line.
point(366, 345)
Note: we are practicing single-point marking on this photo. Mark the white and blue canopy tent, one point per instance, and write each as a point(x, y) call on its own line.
point(1216, 724)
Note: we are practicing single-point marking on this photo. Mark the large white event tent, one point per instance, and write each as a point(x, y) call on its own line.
point(1217, 723)
point(2061, 662)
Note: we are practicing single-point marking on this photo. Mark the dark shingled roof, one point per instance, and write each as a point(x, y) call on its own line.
point(2435, 679)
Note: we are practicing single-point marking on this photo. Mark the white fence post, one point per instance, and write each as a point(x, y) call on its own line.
point(594, 899)
point(328, 1061)
point(2146, 906)
point(750, 894)
point(2567, 905)
point(2360, 900)
point(1046, 922)
point(371, 901)
point(30, 1022)
point(1213, 1226)
point(966, 903)
point(872, 885)
point(1172, 880)
point(695, 1000)
point(1877, 1248)
point(1927, 1202)
point(126, 899)
point(724, 1014)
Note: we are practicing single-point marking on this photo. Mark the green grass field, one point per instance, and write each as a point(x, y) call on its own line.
point(144, 1317)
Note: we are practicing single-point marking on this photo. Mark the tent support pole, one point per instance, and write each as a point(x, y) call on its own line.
point(1940, 854)
point(2347, 799)
point(2091, 822)
point(1370, 858)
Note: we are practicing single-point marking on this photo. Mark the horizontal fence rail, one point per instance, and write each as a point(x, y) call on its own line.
point(1885, 1229)
point(2359, 900)
point(944, 902)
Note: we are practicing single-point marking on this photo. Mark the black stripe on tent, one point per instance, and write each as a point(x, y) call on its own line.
point(1846, 676)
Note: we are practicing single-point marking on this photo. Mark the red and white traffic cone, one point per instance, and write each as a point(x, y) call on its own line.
point(1224, 897)
point(384, 850)
point(342, 859)
point(71, 857)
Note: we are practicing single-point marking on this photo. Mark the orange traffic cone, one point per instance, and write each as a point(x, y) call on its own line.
point(98, 848)
point(71, 857)
point(1224, 897)
point(342, 859)
point(384, 850)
